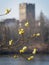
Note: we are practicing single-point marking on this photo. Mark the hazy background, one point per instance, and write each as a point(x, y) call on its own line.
point(41, 5)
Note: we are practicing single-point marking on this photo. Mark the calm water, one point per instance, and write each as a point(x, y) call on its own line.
point(38, 60)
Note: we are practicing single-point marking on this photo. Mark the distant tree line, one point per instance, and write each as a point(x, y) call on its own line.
point(9, 29)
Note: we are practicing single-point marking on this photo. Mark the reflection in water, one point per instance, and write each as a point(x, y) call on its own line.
point(38, 60)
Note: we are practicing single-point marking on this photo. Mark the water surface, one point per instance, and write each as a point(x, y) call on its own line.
point(38, 60)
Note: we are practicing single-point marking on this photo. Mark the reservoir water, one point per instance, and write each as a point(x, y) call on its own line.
point(38, 60)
